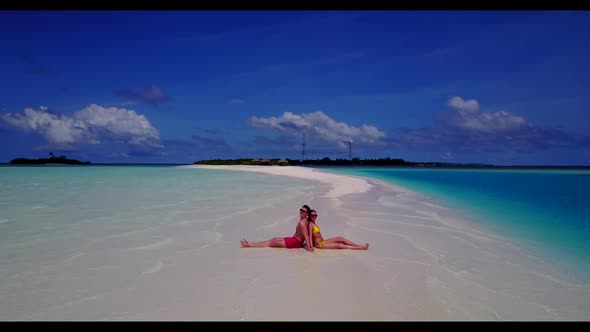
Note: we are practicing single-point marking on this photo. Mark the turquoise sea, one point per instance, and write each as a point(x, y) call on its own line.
point(56, 200)
point(547, 210)
point(116, 242)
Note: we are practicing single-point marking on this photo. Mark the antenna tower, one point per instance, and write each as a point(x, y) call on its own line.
point(303, 148)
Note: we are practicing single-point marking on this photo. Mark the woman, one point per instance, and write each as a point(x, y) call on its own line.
point(293, 242)
point(331, 243)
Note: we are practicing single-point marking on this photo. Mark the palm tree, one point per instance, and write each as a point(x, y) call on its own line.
point(51, 155)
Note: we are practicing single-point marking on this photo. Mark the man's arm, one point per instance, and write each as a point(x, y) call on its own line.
point(303, 225)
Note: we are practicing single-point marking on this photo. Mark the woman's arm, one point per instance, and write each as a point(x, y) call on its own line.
point(310, 233)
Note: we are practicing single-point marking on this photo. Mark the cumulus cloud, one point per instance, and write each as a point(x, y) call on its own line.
point(466, 115)
point(321, 126)
point(54, 128)
point(151, 94)
point(459, 103)
point(91, 125)
point(466, 128)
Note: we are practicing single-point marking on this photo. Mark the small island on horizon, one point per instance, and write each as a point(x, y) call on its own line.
point(334, 162)
point(52, 160)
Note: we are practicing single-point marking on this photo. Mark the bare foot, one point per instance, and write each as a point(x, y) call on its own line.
point(244, 243)
point(366, 246)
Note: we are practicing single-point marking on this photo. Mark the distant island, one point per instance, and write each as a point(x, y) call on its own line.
point(334, 162)
point(61, 160)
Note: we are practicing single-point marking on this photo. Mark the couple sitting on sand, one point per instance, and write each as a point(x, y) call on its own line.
point(308, 232)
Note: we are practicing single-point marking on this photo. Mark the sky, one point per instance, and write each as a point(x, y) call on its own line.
point(166, 86)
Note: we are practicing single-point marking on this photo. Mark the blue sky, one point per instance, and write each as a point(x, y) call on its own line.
point(500, 87)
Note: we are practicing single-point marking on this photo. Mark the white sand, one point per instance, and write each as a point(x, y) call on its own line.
point(341, 185)
point(425, 262)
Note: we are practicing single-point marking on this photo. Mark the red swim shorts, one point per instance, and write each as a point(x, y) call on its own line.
point(292, 243)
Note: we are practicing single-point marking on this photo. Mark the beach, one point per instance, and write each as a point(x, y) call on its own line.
point(147, 243)
point(425, 262)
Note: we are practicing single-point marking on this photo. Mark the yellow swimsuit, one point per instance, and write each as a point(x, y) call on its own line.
point(316, 230)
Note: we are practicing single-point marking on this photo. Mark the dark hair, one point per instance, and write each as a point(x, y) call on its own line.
point(306, 207)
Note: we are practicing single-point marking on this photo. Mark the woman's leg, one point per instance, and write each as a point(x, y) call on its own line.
point(276, 242)
point(342, 240)
point(335, 245)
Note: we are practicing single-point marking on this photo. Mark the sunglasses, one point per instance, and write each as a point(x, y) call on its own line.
point(302, 210)
point(314, 215)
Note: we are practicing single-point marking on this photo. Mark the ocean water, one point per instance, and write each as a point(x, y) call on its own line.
point(50, 198)
point(547, 210)
point(71, 236)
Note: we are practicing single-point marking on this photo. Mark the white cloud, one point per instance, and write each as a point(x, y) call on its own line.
point(466, 115)
point(469, 131)
point(87, 126)
point(321, 126)
point(55, 128)
point(460, 104)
